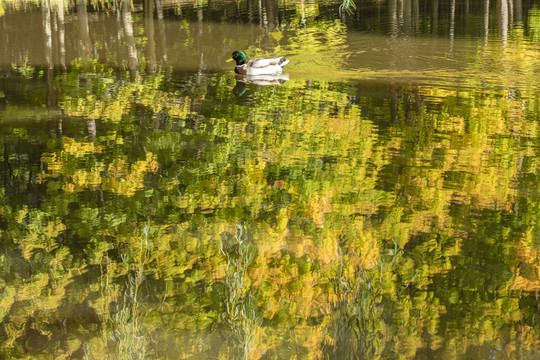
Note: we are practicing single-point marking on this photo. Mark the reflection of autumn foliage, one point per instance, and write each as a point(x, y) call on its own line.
point(120, 177)
point(527, 273)
point(125, 178)
point(402, 210)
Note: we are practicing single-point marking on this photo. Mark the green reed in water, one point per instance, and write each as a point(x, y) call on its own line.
point(348, 6)
point(122, 323)
point(241, 312)
point(359, 325)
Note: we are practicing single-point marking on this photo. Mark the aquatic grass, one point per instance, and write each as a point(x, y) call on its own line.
point(24, 69)
point(348, 6)
point(359, 329)
point(241, 311)
point(128, 335)
point(123, 319)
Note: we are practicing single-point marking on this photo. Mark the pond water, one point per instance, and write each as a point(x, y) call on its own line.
point(379, 201)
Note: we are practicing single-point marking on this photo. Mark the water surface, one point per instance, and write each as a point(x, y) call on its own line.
point(381, 201)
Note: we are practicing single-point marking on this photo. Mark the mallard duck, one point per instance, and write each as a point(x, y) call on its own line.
point(259, 66)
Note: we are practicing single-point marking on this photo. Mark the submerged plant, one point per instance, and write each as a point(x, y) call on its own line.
point(348, 6)
point(25, 70)
point(122, 321)
point(359, 325)
point(240, 313)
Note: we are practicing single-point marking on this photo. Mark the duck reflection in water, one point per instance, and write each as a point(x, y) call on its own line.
point(264, 80)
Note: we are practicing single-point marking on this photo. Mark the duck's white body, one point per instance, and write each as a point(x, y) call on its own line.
point(262, 66)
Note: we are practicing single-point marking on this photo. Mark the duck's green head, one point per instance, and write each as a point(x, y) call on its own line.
point(239, 57)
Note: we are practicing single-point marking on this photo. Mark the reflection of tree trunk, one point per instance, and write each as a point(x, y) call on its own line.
point(250, 11)
point(452, 23)
point(261, 14)
point(47, 31)
point(179, 12)
point(518, 11)
point(200, 14)
point(486, 21)
point(3, 40)
point(162, 36)
point(119, 46)
point(133, 61)
point(264, 18)
point(150, 34)
point(91, 126)
point(434, 17)
point(271, 14)
point(392, 17)
point(466, 15)
point(510, 12)
point(159, 9)
point(199, 43)
point(86, 43)
point(394, 103)
point(7, 173)
point(54, 32)
point(416, 16)
point(407, 16)
point(503, 20)
point(61, 35)
point(400, 13)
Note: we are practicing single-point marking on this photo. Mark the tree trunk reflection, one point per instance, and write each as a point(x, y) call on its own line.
point(84, 32)
point(518, 11)
point(452, 23)
point(162, 36)
point(392, 17)
point(61, 34)
point(133, 61)
point(503, 20)
point(407, 17)
point(47, 31)
point(486, 21)
point(434, 17)
point(150, 35)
